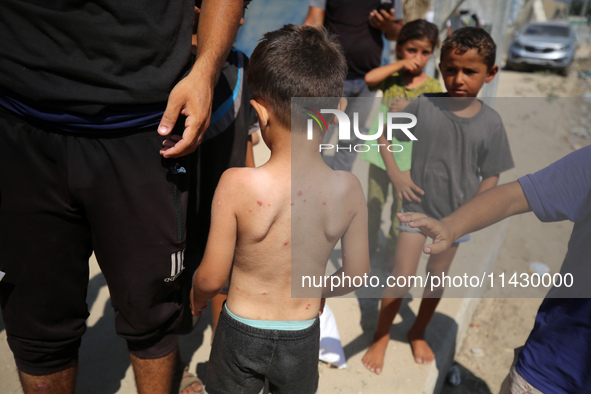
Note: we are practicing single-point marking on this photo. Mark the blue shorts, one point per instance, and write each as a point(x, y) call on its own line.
point(242, 357)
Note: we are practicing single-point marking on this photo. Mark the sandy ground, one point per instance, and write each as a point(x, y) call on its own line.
point(498, 324)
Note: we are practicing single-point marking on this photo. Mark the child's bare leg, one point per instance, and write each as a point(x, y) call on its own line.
point(437, 265)
point(408, 253)
point(217, 303)
point(374, 357)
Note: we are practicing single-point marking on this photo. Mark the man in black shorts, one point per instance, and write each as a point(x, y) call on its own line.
point(92, 159)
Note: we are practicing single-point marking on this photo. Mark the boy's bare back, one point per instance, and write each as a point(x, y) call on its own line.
point(286, 219)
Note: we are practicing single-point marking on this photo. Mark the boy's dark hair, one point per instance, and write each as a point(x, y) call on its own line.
point(417, 30)
point(471, 38)
point(296, 61)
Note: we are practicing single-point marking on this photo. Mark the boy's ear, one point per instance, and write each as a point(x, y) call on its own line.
point(342, 104)
point(262, 112)
point(491, 73)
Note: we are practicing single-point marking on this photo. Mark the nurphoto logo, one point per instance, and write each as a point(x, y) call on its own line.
point(389, 124)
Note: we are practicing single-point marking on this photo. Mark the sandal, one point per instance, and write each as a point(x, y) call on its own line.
point(188, 379)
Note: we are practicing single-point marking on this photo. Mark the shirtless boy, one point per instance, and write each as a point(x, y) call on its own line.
point(263, 332)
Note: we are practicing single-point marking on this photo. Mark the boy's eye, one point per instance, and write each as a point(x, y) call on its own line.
point(411, 50)
point(426, 53)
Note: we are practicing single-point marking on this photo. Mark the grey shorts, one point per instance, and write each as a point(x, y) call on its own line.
point(242, 357)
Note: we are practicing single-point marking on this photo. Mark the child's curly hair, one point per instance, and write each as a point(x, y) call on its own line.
point(468, 38)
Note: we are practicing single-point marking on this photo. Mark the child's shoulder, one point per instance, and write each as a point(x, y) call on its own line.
point(347, 185)
point(238, 178)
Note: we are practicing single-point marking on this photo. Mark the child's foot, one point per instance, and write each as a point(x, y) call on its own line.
point(374, 358)
point(420, 348)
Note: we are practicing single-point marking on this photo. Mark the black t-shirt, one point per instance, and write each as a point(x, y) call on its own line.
point(87, 56)
point(349, 20)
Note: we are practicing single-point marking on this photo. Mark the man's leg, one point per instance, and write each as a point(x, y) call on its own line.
point(44, 250)
point(62, 382)
point(162, 375)
point(136, 206)
point(155, 375)
point(437, 265)
point(408, 254)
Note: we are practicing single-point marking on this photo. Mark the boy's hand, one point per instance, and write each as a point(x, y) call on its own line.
point(196, 309)
point(440, 233)
point(411, 65)
point(405, 187)
point(191, 97)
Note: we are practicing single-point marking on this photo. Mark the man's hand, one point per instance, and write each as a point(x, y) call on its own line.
point(405, 187)
point(440, 232)
point(382, 19)
point(191, 97)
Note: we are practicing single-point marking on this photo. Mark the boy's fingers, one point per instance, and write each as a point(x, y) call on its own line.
point(411, 196)
point(418, 190)
point(435, 248)
point(406, 217)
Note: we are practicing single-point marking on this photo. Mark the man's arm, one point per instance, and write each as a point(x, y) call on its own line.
point(214, 270)
point(192, 96)
point(483, 210)
point(315, 17)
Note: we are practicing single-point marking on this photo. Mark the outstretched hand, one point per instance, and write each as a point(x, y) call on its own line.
point(441, 234)
point(191, 97)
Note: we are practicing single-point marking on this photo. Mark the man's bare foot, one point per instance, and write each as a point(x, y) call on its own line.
point(374, 358)
point(420, 348)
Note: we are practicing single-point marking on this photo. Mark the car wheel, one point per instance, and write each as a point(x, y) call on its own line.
point(564, 71)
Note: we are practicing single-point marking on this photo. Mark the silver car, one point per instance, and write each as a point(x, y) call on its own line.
point(543, 44)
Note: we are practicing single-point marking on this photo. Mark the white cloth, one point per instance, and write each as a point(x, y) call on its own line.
point(331, 350)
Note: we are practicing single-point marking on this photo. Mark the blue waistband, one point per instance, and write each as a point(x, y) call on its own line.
point(282, 325)
point(127, 119)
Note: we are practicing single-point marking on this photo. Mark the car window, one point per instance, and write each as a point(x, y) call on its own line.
point(544, 30)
